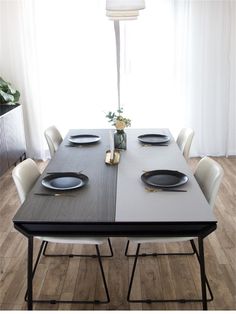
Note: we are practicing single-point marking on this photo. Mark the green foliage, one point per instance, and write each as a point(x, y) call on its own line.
point(111, 116)
point(117, 119)
point(8, 95)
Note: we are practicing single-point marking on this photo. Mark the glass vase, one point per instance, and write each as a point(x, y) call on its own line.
point(120, 139)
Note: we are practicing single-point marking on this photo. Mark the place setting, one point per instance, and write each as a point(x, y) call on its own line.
point(164, 180)
point(154, 139)
point(78, 140)
point(60, 183)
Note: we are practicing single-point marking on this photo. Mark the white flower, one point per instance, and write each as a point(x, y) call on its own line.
point(120, 125)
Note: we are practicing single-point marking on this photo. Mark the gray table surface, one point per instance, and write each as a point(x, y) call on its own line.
point(134, 203)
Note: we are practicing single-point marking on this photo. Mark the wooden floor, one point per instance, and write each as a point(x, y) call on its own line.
point(163, 277)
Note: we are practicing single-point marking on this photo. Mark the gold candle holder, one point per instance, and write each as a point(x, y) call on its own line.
point(112, 159)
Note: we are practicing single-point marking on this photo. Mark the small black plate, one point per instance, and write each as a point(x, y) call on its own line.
point(164, 178)
point(153, 138)
point(84, 139)
point(65, 181)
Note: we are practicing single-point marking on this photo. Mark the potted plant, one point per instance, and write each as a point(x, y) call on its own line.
point(8, 95)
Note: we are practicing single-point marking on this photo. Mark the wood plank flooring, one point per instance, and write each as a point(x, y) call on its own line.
point(163, 277)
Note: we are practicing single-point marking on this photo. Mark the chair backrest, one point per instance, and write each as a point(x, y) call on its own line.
point(184, 141)
point(209, 174)
point(53, 138)
point(25, 175)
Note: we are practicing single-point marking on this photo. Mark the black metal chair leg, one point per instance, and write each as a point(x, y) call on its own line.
point(78, 255)
point(103, 276)
point(110, 247)
point(133, 271)
point(45, 247)
point(126, 249)
point(193, 246)
point(31, 276)
point(204, 280)
point(154, 254)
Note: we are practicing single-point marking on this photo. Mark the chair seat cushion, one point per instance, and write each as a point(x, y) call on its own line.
point(74, 240)
point(159, 239)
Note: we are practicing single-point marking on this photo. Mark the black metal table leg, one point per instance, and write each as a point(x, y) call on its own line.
point(44, 243)
point(203, 275)
point(30, 274)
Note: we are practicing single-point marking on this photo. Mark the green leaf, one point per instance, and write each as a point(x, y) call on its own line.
point(6, 97)
point(16, 96)
point(3, 83)
point(7, 93)
point(11, 90)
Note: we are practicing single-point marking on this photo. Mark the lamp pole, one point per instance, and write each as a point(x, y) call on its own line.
point(117, 36)
point(122, 10)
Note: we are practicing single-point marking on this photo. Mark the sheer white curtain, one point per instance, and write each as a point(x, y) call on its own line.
point(178, 62)
point(18, 64)
point(76, 48)
point(61, 55)
point(209, 77)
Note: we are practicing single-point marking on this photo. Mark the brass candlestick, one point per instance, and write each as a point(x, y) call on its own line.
point(112, 159)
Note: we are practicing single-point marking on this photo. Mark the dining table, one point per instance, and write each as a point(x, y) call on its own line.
point(116, 202)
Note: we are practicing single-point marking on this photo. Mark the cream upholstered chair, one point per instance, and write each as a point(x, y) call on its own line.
point(25, 176)
point(184, 141)
point(208, 175)
point(53, 138)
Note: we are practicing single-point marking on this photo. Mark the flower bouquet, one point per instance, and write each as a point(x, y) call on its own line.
point(120, 123)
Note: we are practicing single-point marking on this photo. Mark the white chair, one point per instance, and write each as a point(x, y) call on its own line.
point(208, 175)
point(184, 141)
point(53, 138)
point(25, 176)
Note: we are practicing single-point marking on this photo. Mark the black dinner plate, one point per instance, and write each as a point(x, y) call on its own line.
point(84, 139)
point(153, 138)
point(164, 178)
point(65, 181)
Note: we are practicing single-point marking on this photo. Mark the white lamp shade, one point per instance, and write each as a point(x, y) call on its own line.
point(125, 5)
point(122, 15)
point(124, 9)
point(123, 18)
